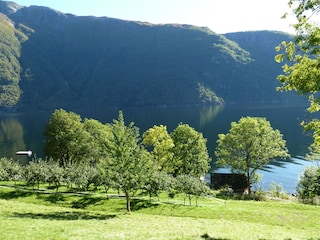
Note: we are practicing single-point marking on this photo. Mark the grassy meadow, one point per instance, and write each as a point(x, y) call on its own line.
point(27, 214)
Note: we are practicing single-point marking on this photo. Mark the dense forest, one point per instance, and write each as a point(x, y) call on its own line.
point(54, 60)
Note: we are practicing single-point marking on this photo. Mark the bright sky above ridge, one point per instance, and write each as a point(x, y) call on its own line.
point(221, 16)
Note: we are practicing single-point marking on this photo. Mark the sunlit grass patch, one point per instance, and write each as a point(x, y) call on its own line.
point(75, 216)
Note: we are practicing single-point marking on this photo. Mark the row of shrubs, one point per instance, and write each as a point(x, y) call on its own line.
point(275, 192)
point(89, 178)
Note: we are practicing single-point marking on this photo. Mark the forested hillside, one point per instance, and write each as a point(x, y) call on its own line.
point(10, 39)
point(56, 60)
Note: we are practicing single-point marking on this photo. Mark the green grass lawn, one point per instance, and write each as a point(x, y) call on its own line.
point(30, 215)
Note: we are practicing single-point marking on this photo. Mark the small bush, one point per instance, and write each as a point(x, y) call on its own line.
point(309, 185)
point(258, 195)
point(276, 191)
point(226, 190)
point(10, 170)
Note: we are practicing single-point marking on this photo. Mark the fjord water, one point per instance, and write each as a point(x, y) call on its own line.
point(25, 131)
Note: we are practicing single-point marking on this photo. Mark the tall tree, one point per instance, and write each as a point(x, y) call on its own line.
point(249, 145)
point(191, 155)
point(128, 162)
point(67, 141)
point(162, 145)
point(100, 136)
point(301, 61)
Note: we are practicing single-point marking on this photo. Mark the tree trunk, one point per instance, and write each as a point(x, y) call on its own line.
point(128, 201)
point(248, 183)
point(106, 190)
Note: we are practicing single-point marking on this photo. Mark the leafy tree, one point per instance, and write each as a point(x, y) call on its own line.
point(162, 144)
point(55, 174)
point(36, 172)
point(100, 135)
point(191, 155)
point(104, 177)
point(249, 145)
point(67, 141)
point(10, 170)
point(159, 181)
point(127, 160)
point(300, 58)
point(92, 176)
point(309, 185)
point(81, 176)
point(191, 187)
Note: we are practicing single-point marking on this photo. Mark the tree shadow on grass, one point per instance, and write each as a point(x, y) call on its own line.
point(137, 204)
point(65, 216)
point(86, 201)
point(54, 198)
point(206, 236)
point(15, 194)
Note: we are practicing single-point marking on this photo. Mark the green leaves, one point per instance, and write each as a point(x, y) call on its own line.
point(279, 58)
point(128, 162)
point(121, 157)
point(158, 138)
point(67, 141)
point(302, 69)
point(184, 151)
point(249, 145)
point(190, 152)
point(191, 187)
point(309, 185)
point(100, 135)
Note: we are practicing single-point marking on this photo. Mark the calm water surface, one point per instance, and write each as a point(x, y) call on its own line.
point(25, 131)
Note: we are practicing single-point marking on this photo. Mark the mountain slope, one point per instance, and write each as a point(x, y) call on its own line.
point(88, 62)
point(261, 74)
point(9, 63)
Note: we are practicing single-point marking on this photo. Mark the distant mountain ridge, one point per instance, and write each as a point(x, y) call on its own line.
point(66, 61)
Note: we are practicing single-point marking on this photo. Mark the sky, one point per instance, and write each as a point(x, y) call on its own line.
point(221, 16)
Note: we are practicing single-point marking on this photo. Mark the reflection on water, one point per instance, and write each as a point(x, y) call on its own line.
point(11, 136)
point(25, 131)
point(287, 175)
point(208, 114)
point(22, 132)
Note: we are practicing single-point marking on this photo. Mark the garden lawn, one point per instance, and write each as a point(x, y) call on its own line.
point(26, 215)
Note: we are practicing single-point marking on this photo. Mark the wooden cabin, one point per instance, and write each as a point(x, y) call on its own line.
point(237, 182)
